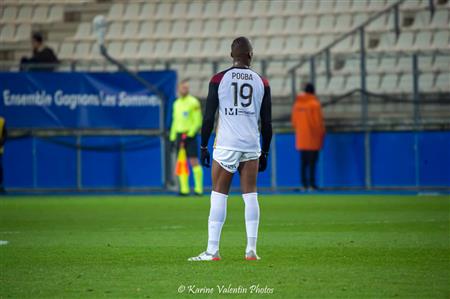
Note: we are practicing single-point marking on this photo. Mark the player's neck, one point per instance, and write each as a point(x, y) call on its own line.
point(240, 64)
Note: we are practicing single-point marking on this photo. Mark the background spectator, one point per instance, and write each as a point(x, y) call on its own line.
point(308, 124)
point(43, 58)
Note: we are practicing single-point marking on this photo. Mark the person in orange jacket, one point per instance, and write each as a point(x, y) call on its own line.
point(307, 121)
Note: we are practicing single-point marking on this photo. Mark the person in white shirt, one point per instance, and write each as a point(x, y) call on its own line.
point(243, 98)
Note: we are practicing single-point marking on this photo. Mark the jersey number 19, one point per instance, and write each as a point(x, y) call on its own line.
point(245, 92)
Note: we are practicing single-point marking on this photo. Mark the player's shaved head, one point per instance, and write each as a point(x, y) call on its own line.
point(242, 51)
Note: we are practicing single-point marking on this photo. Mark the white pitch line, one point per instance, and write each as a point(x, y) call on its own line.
point(3, 242)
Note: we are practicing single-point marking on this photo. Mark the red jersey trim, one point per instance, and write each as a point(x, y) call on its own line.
point(217, 77)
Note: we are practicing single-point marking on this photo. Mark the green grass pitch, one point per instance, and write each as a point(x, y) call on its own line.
point(315, 246)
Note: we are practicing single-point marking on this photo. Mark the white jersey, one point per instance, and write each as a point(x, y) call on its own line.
point(240, 94)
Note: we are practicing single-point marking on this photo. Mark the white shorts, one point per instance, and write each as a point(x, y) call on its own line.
point(230, 159)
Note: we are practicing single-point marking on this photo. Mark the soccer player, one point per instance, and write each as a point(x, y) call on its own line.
point(186, 122)
point(242, 98)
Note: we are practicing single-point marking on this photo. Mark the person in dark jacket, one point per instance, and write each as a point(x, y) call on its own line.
point(43, 58)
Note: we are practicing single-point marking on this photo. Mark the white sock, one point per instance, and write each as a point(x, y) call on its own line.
point(217, 215)
point(251, 219)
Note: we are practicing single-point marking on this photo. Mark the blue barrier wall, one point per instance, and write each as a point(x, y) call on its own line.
point(402, 159)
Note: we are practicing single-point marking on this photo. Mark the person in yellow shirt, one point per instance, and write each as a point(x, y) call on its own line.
point(2, 143)
point(186, 122)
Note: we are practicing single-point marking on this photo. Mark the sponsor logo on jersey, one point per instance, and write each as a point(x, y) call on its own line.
point(238, 111)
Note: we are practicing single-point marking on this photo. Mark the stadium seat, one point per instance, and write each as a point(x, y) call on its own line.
point(359, 18)
point(387, 63)
point(441, 40)
point(178, 28)
point(243, 8)
point(292, 7)
point(441, 63)
point(421, 20)
point(442, 82)
point(23, 32)
point(211, 28)
point(259, 27)
point(372, 64)
point(344, 45)
point(414, 4)
point(275, 8)
point(352, 82)
point(162, 29)
point(7, 33)
point(148, 10)
point(211, 9)
point(405, 84)
point(423, 40)
point(210, 47)
point(376, 5)
point(227, 27)
point(131, 30)
point(9, 14)
point(405, 41)
point(40, 14)
point(179, 10)
point(66, 50)
point(293, 25)
point(132, 11)
point(309, 44)
point(262, 8)
point(440, 19)
point(243, 26)
point(115, 49)
point(195, 10)
point(425, 62)
point(227, 9)
point(389, 83)
point(276, 25)
point(146, 31)
point(194, 28)
point(325, 6)
point(116, 11)
point(309, 24)
point(404, 63)
point(321, 85)
point(194, 48)
point(387, 42)
point(84, 32)
point(373, 82)
point(343, 6)
point(161, 49)
point(25, 14)
point(326, 24)
point(114, 31)
point(164, 10)
point(426, 82)
point(145, 50)
point(325, 40)
point(259, 44)
point(334, 86)
point(83, 50)
point(343, 23)
point(309, 7)
point(278, 86)
point(130, 50)
point(359, 5)
point(56, 13)
point(276, 46)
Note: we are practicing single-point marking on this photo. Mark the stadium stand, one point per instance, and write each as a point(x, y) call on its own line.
point(194, 37)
